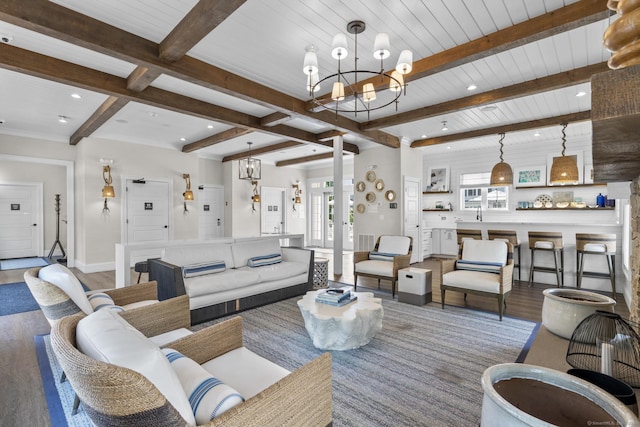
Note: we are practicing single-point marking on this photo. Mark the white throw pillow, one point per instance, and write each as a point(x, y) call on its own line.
point(209, 397)
point(62, 277)
point(107, 337)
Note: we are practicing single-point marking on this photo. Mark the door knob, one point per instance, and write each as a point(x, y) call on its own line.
point(166, 226)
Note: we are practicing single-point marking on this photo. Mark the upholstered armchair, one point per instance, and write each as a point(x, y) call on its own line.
point(483, 267)
point(390, 254)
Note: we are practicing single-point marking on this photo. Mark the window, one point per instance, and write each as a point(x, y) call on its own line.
point(476, 193)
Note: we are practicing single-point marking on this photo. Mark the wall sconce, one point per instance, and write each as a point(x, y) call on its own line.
point(256, 196)
point(107, 191)
point(296, 193)
point(249, 168)
point(188, 194)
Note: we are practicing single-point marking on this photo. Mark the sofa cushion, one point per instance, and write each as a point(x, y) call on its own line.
point(375, 267)
point(100, 300)
point(485, 251)
point(486, 282)
point(203, 268)
point(261, 260)
point(245, 371)
point(107, 337)
point(244, 250)
point(394, 245)
point(279, 271)
point(230, 279)
point(198, 253)
point(209, 397)
point(62, 277)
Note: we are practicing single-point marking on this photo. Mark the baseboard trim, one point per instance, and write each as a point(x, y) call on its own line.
point(95, 268)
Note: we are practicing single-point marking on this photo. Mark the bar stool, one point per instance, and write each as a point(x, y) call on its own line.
point(141, 267)
point(467, 233)
point(596, 244)
point(549, 241)
point(509, 236)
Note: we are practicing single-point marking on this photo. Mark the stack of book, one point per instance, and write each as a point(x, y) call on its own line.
point(336, 296)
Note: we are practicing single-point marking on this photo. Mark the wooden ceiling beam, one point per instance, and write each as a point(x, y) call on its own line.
point(51, 19)
point(46, 67)
point(329, 135)
point(111, 106)
point(558, 21)
point(200, 21)
point(141, 78)
point(513, 127)
point(530, 87)
point(275, 119)
point(305, 159)
point(262, 150)
point(216, 139)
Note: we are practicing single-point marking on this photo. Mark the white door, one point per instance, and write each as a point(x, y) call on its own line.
point(347, 217)
point(317, 213)
point(412, 215)
point(21, 230)
point(272, 210)
point(147, 211)
point(210, 212)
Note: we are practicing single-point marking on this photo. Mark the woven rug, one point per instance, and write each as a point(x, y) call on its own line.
point(18, 263)
point(422, 369)
point(16, 298)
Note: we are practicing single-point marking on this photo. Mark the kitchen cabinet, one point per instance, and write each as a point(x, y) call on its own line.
point(444, 241)
point(427, 240)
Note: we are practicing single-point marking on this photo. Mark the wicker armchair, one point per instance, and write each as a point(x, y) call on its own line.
point(390, 254)
point(56, 304)
point(114, 395)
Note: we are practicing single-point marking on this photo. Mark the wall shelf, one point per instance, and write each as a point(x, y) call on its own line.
point(566, 209)
point(436, 192)
point(560, 187)
point(436, 210)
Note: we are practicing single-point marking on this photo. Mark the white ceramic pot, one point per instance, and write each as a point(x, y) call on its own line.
point(563, 309)
point(544, 392)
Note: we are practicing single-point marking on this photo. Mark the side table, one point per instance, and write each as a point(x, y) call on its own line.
point(414, 286)
point(320, 273)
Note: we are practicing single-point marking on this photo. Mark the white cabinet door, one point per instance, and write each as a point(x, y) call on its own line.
point(448, 241)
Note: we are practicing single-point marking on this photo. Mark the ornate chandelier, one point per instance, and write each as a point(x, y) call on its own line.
point(346, 95)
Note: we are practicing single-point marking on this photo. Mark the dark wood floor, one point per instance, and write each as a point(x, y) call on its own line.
point(22, 400)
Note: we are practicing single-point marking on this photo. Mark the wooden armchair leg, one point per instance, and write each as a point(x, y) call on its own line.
point(502, 303)
point(442, 296)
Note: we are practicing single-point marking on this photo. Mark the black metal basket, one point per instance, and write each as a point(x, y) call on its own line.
point(606, 333)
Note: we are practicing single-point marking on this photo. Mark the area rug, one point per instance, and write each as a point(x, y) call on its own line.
point(15, 264)
point(16, 298)
point(422, 369)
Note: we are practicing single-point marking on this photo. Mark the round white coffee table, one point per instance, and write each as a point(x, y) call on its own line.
point(342, 328)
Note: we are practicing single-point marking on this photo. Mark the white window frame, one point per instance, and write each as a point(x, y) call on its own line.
point(480, 181)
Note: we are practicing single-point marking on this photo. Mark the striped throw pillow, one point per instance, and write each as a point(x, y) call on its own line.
point(259, 261)
point(209, 397)
point(485, 267)
point(100, 300)
point(382, 256)
point(200, 269)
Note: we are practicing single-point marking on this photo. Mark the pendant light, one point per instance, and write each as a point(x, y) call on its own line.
point(564, 169)
point(501, 174)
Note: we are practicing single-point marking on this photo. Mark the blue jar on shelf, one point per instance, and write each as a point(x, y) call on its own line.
point(600, 200)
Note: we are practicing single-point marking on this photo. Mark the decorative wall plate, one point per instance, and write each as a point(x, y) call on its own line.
point(371, 176)
point(371, 197)
point(544, 198)
point(390, 195)
point(379, 184)
point(360, 208)
point(360, 186)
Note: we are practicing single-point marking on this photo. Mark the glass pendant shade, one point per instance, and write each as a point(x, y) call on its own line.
point(337, 94)
point(564, 170)
point(381, 46)
point(394, 86)
point(501, 174)
point(368, 92)
point(339, 47)
point(405, 62)
point(310, 63)
point(249, 168)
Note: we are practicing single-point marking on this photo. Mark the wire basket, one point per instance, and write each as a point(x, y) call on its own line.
point(604, 342)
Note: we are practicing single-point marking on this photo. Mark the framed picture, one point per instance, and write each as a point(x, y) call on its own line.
point(531, 176)
point(577, 155)
point(438, 178)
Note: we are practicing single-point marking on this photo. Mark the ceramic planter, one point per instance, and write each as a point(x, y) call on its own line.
point(564, 309)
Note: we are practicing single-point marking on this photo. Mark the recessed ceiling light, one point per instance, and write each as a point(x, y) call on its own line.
point(183, 139)
point(448, 147)
point(472, 87)
point(153, 114)
point(581, 93)
point(63, 119)
point(6, 38)
point(444, 125)
point(536, 134)
point(488, 108)
point(122, 121)
point(423, 136)
point(76, 96)
point(209, 126)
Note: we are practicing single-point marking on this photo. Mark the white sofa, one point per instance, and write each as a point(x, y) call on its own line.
point(484, 267)
point(218, 277)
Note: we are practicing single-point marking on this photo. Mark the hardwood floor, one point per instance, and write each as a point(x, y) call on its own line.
point(22, 400)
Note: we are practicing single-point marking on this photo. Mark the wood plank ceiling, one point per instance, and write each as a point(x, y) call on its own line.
point(220, 73)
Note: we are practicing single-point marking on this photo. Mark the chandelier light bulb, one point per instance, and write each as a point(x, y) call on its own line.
point(312, 82)
point(337, 94)
point(381, 46)
point(310, 63)
point(405, 62)
point(339, 47)
point(394, 86)
point(368, 92)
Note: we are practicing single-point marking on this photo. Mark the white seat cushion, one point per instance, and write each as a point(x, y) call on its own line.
point(595, 247)
point(394, 245)
point(376, 267)
point(475, 280)
point(543, 244)
point(139, 304)
point(107, 337)
point(171, 336)
point(212, 283)
point(245, 371)
point(62, 277)
point(278, 271)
